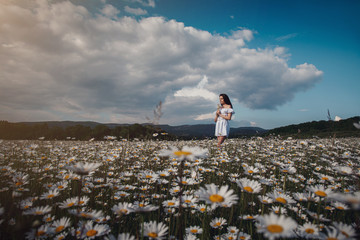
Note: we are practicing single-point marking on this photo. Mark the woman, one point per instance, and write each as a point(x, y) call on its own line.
point(223, 115)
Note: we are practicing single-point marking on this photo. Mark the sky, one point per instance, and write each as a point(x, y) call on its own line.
point(281, 62)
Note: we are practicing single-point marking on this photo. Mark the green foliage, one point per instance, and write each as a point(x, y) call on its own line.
point(17, 131)
point(342, 128)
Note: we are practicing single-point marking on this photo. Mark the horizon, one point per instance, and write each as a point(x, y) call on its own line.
point(281, 62)
point(149, 123)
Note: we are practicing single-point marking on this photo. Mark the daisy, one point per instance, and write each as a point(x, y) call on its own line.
point(51, 194)
point(218, 222)
point(68, 203)
point(144, 207)
point(41, 232)
point(250, 170)
point(308, 230)
point(38, 211)
point(154, 230)
point(265, 200)
point(229, 236)
point(174, 203)
point(320, 190)
point(83, 201)
point(347, 230)
point(211, 194)
point(121, 236)
point(274, 226)
point(232, 229)
point(352, 199)
point(189, 200)
point(250, 186)
point(123, 208)
point(243, 236)
point(190, 237)
point(84, 168)
point(248, 217)
point(92, 230)
point(60, 225)
point(194, 230)
point(345, 170)
point(302, 197)
point(189, 153)
point(332, 233)
point(281, 197)
point(340, 206)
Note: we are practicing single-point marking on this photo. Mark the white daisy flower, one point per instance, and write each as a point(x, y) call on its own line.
point(274, 226)
point(154, 230)
point(211, 194)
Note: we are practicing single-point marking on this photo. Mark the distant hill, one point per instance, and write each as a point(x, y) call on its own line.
point(87, 129)
point(186, 131)
point(208, 130)
point(342, 128)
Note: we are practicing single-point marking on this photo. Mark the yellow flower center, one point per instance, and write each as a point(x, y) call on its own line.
point(91, 233)
point(216, 198)
point(40, 233)
point(202, 209)
point(242, 237)
point(152, 235)
point(193, 230)
point(70, 204)
point(171, 203)
point(182, 153)
point(309, 230)
point(250, 171)
point(331, 238)
point(217, 224)
point(321, 193)
point(325, 178)
point(347, 235)
point(281, 200)
point(18, 183)
point(59, 229)
point(248, 189)
point(148, 176)
point(123, 211)
point(274, 228)
point(187, 201)
point(50, 196)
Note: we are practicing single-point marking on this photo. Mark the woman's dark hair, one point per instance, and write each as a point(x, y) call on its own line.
point(226, 99)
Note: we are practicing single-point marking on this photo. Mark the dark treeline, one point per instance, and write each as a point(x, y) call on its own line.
point(342, 128)
point(23, 131)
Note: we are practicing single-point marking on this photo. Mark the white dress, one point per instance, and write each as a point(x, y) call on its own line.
point(222, 127)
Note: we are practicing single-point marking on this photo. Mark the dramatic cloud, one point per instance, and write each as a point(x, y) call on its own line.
point(59, 61)
point(135, 11)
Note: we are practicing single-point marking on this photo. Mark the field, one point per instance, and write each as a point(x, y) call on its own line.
point(250, 189)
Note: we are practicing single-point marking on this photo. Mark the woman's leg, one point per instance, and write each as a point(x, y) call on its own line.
point(221, 139)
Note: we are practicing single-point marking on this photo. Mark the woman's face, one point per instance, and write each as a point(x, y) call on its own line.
point(222, 102)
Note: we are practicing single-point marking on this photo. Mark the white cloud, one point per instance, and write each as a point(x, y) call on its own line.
point(135, 11)
point(58, 61)
point(286, 37)
point(110, 11)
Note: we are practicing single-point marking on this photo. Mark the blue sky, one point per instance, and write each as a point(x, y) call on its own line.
point(281, 62)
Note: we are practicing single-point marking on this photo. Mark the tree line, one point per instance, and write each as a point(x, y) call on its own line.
point(23, 131)
point(342, 128)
